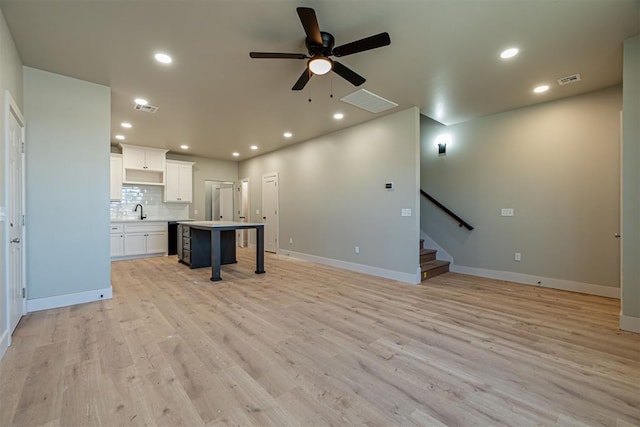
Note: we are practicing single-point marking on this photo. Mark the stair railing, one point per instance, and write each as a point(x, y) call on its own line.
point(460, 221)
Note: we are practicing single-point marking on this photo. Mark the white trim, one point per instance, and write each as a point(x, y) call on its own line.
point(630, 323)
point(69, 299)
point(413, 279)
point(545, 282)
point(126, 257)
point(4, 343)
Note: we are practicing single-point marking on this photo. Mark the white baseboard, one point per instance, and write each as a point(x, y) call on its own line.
point(4, 343)
point(68, 299)
point(630, 323)
point(545, 282)
point(413, 279)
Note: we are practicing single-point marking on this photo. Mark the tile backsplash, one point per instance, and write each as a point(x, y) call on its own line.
point(150, 197)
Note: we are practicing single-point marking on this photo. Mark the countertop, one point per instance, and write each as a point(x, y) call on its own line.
point(150, 220)
point(221, 224)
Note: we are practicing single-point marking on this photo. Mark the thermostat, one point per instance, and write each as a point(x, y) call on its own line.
point(388, 186)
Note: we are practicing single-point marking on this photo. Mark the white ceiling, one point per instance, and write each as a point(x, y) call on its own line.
point(443, 58)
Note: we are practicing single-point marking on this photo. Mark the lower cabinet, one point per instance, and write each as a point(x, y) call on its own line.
point(117, 240)
point(141, 238)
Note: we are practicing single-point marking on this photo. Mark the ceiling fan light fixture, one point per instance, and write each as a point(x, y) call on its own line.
point(320, 65)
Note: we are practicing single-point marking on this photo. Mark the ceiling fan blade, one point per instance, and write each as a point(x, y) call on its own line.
point(310, 24)
point(348, 74)
point(302, 81)
point(361, 45)
point(275, 55)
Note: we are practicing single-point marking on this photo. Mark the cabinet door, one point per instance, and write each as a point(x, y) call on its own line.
point(186, 183)
point(117, 245)
point(116, 177)
point(134, 158)
point(135, 244)
point(157, 242)
point(155, 160)
point(172, 183)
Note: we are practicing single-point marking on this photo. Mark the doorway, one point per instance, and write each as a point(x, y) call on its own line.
point(15, 223)
point(270, 211)
point(218, 201)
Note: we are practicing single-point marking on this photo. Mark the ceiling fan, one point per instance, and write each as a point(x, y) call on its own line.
point(320, 47)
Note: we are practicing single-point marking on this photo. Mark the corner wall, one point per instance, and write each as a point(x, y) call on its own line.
point(557, 165)
point(332, 196)
point(630, 313)
point(67, 181)
point(11, 80)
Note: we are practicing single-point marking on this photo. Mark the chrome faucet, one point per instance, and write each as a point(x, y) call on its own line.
point(142, 215)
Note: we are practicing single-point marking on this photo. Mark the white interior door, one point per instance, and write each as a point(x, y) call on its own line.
point(226, 203)
point(270, 211)
point(14, 139)
point(242, 236)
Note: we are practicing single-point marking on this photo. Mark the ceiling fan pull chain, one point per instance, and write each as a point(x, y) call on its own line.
point(331, 82)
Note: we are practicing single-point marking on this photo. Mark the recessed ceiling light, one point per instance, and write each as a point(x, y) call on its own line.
point(120, 137)
point(141, 101)
point(338, 116)
point(254, 147)
point(163, 58)
point(184, 147)
point(126, 125)
point(288, 134)
point(236, 154)
point(509, 53)
point(541, 88)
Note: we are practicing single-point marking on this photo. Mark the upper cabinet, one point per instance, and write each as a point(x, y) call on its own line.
point(179, 182)
point(116, 177)
point(143, 165)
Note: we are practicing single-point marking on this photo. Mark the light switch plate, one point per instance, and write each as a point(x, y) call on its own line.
point(405, 212)
point(506, 212)
point(3, 215)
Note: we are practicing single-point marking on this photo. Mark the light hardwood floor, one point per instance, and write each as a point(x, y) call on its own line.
point(311, 345)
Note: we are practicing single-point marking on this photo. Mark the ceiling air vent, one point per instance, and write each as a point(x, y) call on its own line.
point(146, 108)
point(569, 79)
point(368, 101)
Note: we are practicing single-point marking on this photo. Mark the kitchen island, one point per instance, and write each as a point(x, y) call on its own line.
point(213, 243)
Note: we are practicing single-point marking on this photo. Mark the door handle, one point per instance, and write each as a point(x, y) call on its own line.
point(15, 240)
point(617, 235)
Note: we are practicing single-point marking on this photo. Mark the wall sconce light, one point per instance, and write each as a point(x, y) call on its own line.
point(442, 141)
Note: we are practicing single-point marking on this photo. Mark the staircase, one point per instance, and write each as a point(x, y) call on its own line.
point(429, 265)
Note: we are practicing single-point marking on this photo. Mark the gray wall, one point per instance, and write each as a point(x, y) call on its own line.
point(631, 181)
point(11, 80)
point(68, 132)
point(332, 196)
point(557, 164)
point(206, 169)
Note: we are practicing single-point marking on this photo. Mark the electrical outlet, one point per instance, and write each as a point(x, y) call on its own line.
point(518, 256)
point(357, 249)
point(257, 211)
point(195, 212)
point(291, 240)
point(405, 212)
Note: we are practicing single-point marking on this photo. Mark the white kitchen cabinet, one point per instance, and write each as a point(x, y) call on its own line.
point(179, 182)
point(145, 238)
point(116, 235)
point(143, 165)
point(116, 177)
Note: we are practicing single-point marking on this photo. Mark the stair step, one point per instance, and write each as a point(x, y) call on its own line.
point(427, 255)
point(433, 268)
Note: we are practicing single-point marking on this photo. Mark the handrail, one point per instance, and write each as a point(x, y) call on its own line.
point(461, 222)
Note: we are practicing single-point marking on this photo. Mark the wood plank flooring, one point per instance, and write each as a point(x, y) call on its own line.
point(310, 345)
